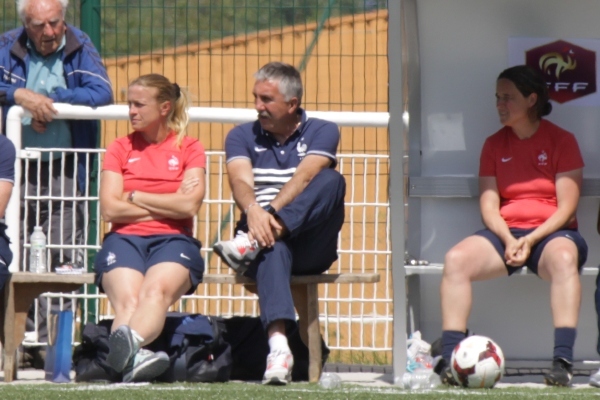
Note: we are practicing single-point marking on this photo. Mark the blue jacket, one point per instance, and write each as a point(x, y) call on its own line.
point(86, 77)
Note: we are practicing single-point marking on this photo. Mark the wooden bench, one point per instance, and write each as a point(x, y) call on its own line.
point(19, 292)
point(23, 287)
point(305, 293)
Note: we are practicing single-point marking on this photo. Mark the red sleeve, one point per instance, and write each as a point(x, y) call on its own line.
point(570, 156)
point(487, 161)
point(195, 155)
point(113, 158)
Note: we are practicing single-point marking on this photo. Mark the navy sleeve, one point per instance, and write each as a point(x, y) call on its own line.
point(324, 140)
point(7, 159)
point(237, 143)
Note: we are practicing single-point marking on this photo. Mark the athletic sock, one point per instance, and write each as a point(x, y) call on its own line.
point(279, 342)
point(136, 336)
point(449, 341)
point(564, 340)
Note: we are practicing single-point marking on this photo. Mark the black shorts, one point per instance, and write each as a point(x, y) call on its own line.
point(536, 251)
point(142, 252)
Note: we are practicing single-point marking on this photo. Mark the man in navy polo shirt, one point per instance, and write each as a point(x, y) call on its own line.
point(281, 172)
point(7, 181)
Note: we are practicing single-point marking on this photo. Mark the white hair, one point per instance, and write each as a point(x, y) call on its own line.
point(22, 5)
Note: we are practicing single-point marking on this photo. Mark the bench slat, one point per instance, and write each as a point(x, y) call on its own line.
point(298, 280)
point(433, 269)
point(51, 277)
point(468, 186)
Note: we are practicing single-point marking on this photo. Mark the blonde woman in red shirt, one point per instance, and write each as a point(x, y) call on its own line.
point(152, 187)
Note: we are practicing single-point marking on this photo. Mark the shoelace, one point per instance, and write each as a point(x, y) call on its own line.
point(242, 242)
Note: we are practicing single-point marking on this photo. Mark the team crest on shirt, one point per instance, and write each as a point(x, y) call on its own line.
point(173, 163)
point(111, 258)
point(543, 158)
point(301, 148)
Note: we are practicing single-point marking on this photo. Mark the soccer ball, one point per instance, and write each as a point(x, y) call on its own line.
point(477, 362)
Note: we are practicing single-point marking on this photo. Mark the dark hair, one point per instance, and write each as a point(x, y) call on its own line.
point(529, 80)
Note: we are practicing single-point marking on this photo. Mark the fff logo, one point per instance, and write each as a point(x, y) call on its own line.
point(569, 69)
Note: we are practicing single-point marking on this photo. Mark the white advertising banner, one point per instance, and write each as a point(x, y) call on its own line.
point(569, 65)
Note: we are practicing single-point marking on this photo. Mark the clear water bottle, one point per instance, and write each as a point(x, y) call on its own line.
point(37, 251)
point(329, 380)
point(423, 378)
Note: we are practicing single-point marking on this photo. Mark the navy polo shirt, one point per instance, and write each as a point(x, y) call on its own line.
point(7, 160)
point(274, 164)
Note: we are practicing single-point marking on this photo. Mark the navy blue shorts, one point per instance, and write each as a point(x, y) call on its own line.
point(536, 251)
point(142, 252)
point(6, 255)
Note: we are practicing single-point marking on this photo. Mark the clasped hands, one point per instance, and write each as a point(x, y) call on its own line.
point(517, 251)
point(41, 108)
point(262, 226)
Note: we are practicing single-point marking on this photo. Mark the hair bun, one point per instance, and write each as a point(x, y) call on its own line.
point(177, 90)
point(547, 109)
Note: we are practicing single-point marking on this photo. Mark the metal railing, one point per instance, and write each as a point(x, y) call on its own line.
point(354, 317)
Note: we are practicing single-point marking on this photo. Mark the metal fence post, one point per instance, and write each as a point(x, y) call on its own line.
point(397, 192)
point(90, 24)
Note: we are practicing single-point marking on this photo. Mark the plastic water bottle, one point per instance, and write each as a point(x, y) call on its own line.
point(420, 379)
point(329, 380)
point(37, 251)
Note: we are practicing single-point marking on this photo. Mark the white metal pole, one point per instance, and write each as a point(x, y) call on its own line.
point(121, 112)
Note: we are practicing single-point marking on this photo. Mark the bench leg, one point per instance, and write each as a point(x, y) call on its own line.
point(8, 321)
point(306, 300)
point(17, 300)
point(315, 357)
point(301, 304)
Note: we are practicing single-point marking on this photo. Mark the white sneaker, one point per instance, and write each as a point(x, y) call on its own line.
point(279, 368)
point(237, 252)
point(145, 365)
point(122, 347)
point(595, 379)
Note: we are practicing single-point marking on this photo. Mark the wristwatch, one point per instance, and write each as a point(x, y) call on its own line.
point(270, 209)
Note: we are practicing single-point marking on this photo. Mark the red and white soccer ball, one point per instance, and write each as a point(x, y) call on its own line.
point(477, 362)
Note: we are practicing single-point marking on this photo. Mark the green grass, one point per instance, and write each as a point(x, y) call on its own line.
point(297, 391)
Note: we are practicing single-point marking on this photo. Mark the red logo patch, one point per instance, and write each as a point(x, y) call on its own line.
point(569, 70)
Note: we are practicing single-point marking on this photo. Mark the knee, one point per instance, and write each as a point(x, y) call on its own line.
point(332, 180)
point(125, 304)
point(455, 265)
point(152, 292)
point(564, 263)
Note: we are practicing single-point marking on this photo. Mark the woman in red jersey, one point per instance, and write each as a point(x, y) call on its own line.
point(530, 177)
point(152, 187)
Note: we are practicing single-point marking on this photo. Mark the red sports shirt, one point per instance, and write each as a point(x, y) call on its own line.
point(153, 168)
point(525, 171)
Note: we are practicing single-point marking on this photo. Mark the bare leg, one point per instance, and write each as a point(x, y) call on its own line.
point(163, 285)
point(558, 265)
point(471, 260)
point(123, 297)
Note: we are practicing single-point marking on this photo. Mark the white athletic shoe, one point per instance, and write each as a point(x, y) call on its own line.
point(595, 379)
point(145, 365)
point(121, 348)
point(237, 252)
point(279, 368)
